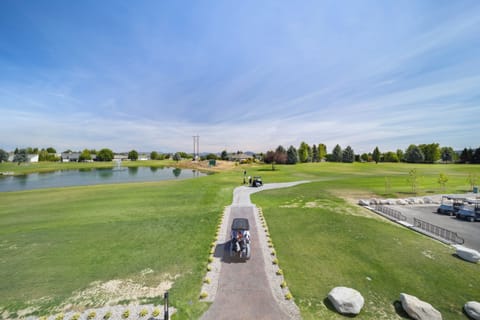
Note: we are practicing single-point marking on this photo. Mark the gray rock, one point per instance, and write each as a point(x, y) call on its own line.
point(472, 309)
point(346, 300)
point(418, 309)
point(364, 203)
point(401, 202)
point(467, 253)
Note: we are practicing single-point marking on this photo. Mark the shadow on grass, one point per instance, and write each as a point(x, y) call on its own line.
point(267, 169)
point(399, 310)
point(330, 307)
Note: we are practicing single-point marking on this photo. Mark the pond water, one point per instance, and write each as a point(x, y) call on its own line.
point(82, 177)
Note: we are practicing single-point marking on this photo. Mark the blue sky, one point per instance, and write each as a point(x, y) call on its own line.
point(243, 75)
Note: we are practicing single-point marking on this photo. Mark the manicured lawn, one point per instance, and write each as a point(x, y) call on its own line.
point(56, 241)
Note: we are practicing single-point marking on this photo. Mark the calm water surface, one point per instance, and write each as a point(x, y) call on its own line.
point(82, 177)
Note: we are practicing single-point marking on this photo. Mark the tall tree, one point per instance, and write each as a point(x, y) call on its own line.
point(133, 155)
point(431, 152)
point(447, 154)
point(400, 154)
point(303, 152)
point(280, 155)
point(51, 150)
point(292, 156)
point(466, 155)
point(476, 156)
point(322, 151)
point(154, 155)
point(390, 156)
point(3, 156)
point(376, 155)
point(224, 155)
point(310, 153)
point(348, 155)
point(315, 154)
point(413, 154)
point(85, 155)
point(337, 154)
point(269, 157)
point(105, 155)
point(21, 156)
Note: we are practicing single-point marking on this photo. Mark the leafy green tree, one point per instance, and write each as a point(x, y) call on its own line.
point(3, 156)
point(348, 155)
point(211, 156)
point(466, 155)
point(21, 156)
point(447, 154)
point(85, 155)
point(154, 155)
point(414, 154)
point(337, 154)
point(364, 157)
point(476, 156)
point(431, 152)
point(442, 180)
point(105, 155)
point(292, 156)
point(185, 155)
point(133, 155)
point(224, 155)
point(390, 156)
point(322, 151)
point(310, 153)
point(51, 150)
point(400, 154)
point(376, 155)
point(303, 152)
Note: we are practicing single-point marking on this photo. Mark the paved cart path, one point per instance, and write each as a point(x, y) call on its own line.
point(244, 291)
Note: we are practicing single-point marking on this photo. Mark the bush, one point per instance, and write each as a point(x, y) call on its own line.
point(143, 313)
point(203, 295)
point(59, 317)
point(126, 314)
point(91, 315)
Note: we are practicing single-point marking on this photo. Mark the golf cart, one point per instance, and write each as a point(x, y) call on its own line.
point(240, 239)
point(451, 204)
point(470, 210)
point(257, 182)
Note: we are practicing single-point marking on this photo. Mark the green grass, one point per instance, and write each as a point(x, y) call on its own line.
point(56, 241)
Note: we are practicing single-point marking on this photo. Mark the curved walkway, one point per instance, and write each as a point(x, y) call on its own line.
point(244, 289)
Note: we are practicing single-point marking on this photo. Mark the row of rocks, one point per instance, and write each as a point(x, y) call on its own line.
point(407, 201)
point(349, 301)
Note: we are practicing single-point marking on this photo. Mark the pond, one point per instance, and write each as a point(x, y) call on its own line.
point(82, 177)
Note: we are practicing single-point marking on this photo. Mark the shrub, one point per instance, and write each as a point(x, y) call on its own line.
point(209, 268)
point(288, 296)
point(155, 312)
point(206, 280)
point(107, 315)
point(143, 312)
point(59, 317)
point(91, 315)
point(76, 316)
point(275, 261)
point(126, 314)
point(279, 272)
point(283, 285)
point(273, 252)
point(203, 295)
point(210, 259)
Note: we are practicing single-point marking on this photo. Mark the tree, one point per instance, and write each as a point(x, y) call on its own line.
point(472, 180)
point(431, 152)
point(303, 152)
point(133, 155)
point(413, 180)
point(224, 155)
point(390, 156)
point(177, 157)
point(154, 155)
point(105, 155)
point(348, 155)
point(476, 156)
point(315, 154)
point(211, 156)
point(400, 154)
point(51, 150)
point(269, 157)
point(310, 154)
point(21, 156)
point(3, 156)
point(85, 155)
point(466, 155)
point(337, 154)
point(413, 154)
point(447, 154)
point(364, 157)
point(292, 156)
point(280, 155)
point(376, 155)
point(322, 151)
point(442, 180)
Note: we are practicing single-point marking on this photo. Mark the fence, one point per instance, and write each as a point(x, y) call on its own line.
point(438, 231)
point(391, 212)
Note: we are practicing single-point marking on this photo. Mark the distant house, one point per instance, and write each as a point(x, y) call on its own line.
point(240, 157)
point(143, 157)
point(32, 158)
point(70, 156)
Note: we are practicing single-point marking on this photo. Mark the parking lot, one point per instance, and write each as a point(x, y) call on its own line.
point(470, 231)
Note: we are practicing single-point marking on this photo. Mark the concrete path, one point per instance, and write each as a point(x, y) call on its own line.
point(244, 291)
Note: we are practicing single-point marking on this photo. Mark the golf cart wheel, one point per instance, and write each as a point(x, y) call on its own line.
point(471, 219)
point(450, 213)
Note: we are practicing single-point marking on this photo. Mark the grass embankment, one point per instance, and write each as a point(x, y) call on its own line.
point(56, 241)
point(323, 242)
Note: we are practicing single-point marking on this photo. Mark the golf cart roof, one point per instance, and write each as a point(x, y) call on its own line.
point(240, 224)
point(455, 197)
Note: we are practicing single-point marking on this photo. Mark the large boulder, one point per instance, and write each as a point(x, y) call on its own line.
point(472, 309)
point(418, 309)
point(346, 300)
point(467, 253)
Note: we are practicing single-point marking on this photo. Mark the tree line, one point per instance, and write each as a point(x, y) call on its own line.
point(422, 153)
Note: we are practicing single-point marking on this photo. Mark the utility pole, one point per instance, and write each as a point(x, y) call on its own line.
point(196, 147)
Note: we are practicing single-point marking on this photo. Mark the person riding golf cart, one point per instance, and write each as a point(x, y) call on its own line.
point(256, 182)
point(240, 238)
